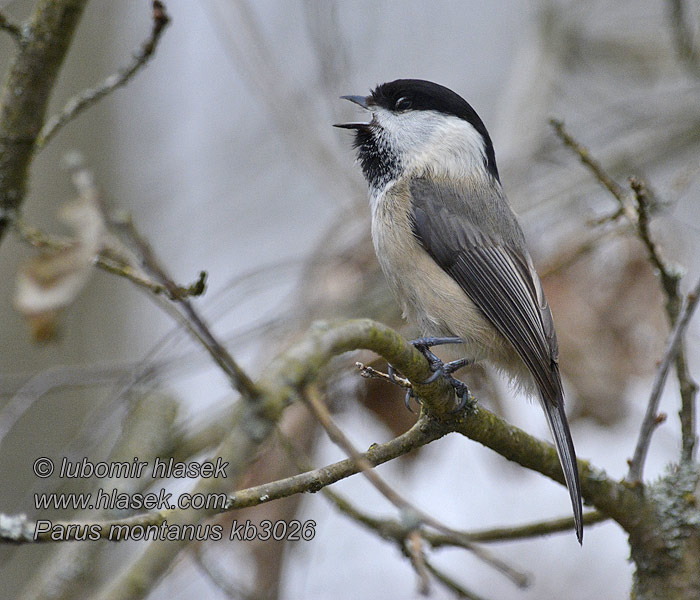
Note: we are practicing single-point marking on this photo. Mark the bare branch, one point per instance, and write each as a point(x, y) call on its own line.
point(88, 98)
point(670, 279)
point(593, 165)
point(255, 419)
point(688, 412)
point(319, 410)
point(650, 418)
point(13, 29)
point(670, 283)
point(451, 584)
point(18, 529)
point(523, 532)
point(413, 547)
point(26, 92)
point(411, 513)
point(639, 216)
point(108, 260)
point(683, 36)
point(196, 324)
point(371, 373)
point(399, 531)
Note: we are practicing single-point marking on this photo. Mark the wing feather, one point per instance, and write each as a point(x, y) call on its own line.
point(478, 242)
point(491, 264)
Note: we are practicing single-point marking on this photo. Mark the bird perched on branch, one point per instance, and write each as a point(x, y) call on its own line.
point(452, 249)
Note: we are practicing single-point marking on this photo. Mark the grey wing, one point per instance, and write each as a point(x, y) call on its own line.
point(478, 242)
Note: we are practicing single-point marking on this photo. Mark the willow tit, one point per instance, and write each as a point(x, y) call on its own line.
point(451, 247)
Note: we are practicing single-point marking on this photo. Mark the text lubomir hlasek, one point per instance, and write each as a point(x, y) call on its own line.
point(161, 469)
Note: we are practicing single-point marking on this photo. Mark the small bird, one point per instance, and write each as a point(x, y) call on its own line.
point(451, 247)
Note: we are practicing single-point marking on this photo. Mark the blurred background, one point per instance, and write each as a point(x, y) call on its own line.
point(222, 150)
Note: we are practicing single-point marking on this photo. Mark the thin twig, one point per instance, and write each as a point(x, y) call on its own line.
point(89, 97)
point(126, 271)
point(322, 415)
point(451, 584)
point(18, 529)
point(371, 373)
point(395, 530)
point(108, 260)
point(650, 418)
point(593, 165)
point(12, 28)
point(413, 546)
point(196, 323)
point(670, 279)
point(523, 532)
point(390, 529)
point(670, 282)
point(688, 412)
point(640, 216)
point(411, 513)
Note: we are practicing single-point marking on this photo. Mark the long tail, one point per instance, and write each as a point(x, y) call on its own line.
point(556, 418)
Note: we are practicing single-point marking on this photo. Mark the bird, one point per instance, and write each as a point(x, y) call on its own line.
point(451, 247)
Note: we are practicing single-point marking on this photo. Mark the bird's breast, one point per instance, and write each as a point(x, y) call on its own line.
point(429, 297)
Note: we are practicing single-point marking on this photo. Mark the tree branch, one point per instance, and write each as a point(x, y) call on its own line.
point(196, 324)
point(651, 420)
point(108, 260)
point(26, 92)
point(670, 279)
point(522, 532)
point(683, 36)
point(411, 513)
point(12, 28)
point(18, 529)
point(88, 98)
point(593, 165)
point(640, 217)
point(670, 282)
point(255, 419)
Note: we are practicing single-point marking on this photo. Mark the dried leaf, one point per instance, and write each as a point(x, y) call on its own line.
point(49, 282)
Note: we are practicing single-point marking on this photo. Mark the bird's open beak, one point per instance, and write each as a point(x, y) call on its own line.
point(362, 101)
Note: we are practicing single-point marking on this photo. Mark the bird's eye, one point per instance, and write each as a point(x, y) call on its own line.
point(403, 103)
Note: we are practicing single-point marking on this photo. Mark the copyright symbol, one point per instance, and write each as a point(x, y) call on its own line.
point(43, 467)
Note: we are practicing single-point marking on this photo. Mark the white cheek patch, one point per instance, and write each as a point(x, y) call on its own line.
point(431, 141)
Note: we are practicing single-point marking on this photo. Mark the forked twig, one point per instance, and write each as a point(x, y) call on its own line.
point(651, 420)
point(89, 97)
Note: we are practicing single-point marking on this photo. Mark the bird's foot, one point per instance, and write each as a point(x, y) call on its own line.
point(438, 368)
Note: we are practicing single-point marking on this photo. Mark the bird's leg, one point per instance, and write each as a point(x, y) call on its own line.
point(456, 365)
point(429, 342)
point(438, 368)
point(424, 344)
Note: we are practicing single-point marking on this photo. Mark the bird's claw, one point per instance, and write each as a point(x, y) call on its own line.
point(438, 369)
point(407, 400)
point(391, 373)
point(462, 392)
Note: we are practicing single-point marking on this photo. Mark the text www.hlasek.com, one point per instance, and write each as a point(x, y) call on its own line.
point(115, 500)
point(108, 499)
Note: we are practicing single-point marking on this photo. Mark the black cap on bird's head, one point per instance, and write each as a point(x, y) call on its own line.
point(404, 95)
